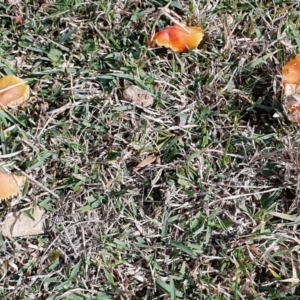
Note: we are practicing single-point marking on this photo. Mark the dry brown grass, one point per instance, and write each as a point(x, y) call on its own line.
point(216, 215)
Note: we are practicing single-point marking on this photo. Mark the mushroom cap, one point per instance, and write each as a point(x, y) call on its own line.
point(291, 86)
point(291, 71)
point(291, 76)
point(10, 185)
point(178, 38)
point(13, 96)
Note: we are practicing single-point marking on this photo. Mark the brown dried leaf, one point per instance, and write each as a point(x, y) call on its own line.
point(137, 96)
point(19, 224)
point(284, 216)
point(145, 162)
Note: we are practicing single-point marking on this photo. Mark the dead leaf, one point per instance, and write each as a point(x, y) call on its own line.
point(20, 224)
point(137, 96)
point(284, 216)
point(145, 162)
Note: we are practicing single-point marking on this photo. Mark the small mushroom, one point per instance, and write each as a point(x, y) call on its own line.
point(10, 185)
point(13, 91)
point(291, 76)
point(291, 86)
point(178, 38)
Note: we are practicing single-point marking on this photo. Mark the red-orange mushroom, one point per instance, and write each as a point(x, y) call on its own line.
point(291, 86)
point(178, 38)
point(10, 185)
point(13, 91)
point(291, 76)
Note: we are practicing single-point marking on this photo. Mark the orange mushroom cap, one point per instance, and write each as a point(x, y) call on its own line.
point(16, 95)
point(291, 85)
point(178, 38)
point(291, 71)
point(10, 185)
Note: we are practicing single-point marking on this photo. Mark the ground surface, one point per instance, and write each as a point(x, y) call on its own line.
point(215, 216)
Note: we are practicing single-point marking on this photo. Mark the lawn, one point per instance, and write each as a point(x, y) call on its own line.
point(213, 213)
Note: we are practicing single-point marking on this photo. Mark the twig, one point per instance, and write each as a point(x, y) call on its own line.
point(38, 184)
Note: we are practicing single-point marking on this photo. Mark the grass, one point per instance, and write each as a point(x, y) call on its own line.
point(216, 216)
